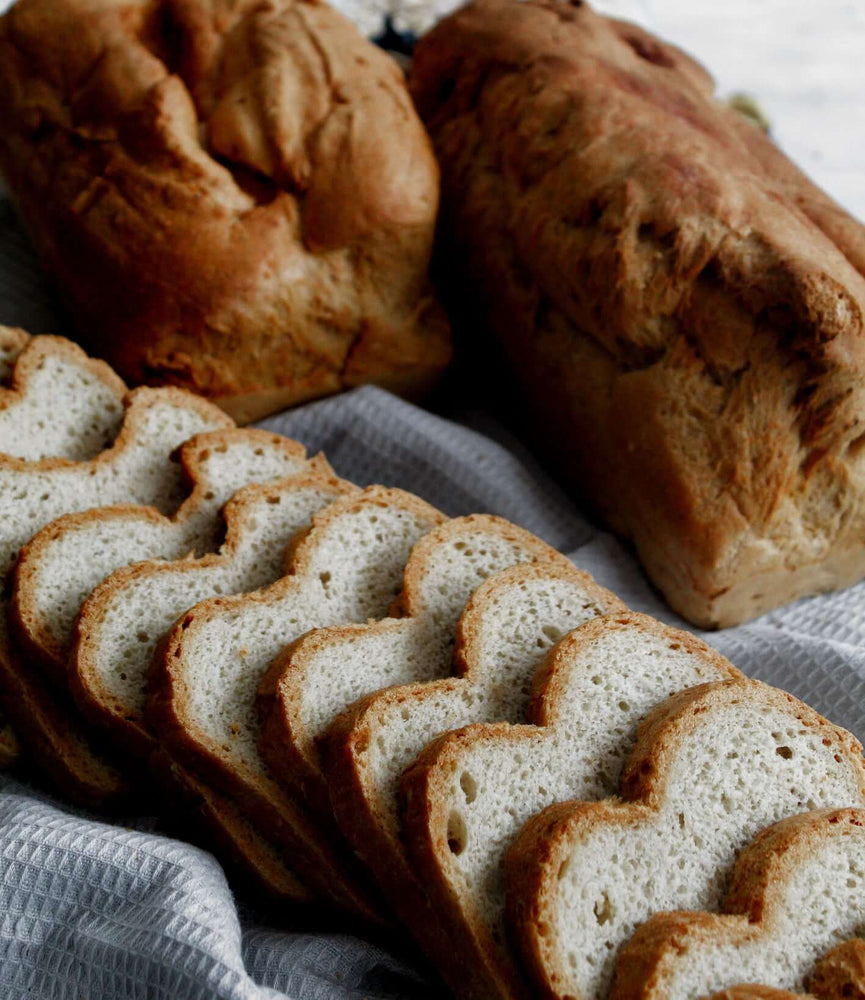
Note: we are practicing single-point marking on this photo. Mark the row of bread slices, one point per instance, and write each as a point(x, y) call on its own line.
point(402, 716)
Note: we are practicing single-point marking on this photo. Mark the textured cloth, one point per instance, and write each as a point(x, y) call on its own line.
point(96, 909)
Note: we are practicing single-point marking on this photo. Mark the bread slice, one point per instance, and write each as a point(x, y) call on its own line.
point(200, 813)
point(839, 975)
point(347, 567)
point(65, 561)
point(124, 619)
point(321, 674)
point(797, 890)
point(135, 468)
point(57, 402)
point(469, 792)
point(54, 402)
point(508, 625)
point(712, 766)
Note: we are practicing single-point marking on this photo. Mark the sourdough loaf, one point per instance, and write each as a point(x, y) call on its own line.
point(469, 792)
point(796, 890)
point(233, 197)
point(138, 468)
point(681, 309)
point(369, 745)
point(712, 766)
point(347, 567)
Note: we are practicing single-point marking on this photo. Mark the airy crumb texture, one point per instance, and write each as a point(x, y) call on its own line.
point(520, 612)
point(234, 198)
point(469, 792)
point(127, 615)
point(327, 670)
point(65, 561)
point(712, 766)
point(796, 891)
point(680, 309)
point(56, 402)
point(348, 567)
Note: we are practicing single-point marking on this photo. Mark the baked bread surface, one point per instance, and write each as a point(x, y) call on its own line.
point(681, 309)
point(233, 196)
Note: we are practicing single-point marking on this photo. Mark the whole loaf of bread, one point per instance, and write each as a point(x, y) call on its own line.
point(680, 309)
point(233, 196)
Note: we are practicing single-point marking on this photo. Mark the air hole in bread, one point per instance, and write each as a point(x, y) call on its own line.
point(469, 786)
point(784, 752)
point(457, 834)
point(603, 909)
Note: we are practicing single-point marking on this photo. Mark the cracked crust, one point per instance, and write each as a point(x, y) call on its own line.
point(235, 198)
point(680, 307)
point(754, 900)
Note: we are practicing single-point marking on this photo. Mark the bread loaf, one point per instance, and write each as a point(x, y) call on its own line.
point(680, 308)
point(233, 197)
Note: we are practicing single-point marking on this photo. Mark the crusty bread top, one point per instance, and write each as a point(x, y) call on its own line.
point(128, 614)
point(470, 791)
point(204, 174)
point(681, 308)
point(321, 674)
point(65, 561)
point(56, 402)
point(712, 766)
point(796, 890)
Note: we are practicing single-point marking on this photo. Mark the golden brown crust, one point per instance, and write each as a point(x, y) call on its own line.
point(323, 856)
point(483, 966)
point(756, 888)
point(29, 353)
point(840, 974)
point(285, 742)
point(43, 716)
point(235, 198)
point(666, 294)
